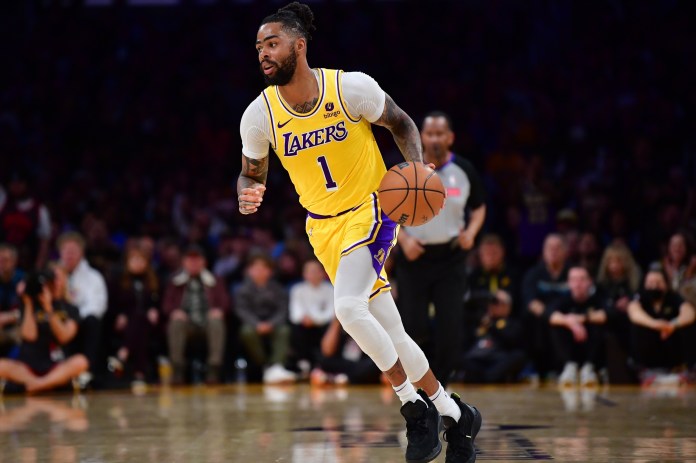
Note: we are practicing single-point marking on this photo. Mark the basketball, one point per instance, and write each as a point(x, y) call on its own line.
point(411, 193)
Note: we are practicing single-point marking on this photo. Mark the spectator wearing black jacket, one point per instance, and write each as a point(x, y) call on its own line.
point(492, 274)
point(618, 279)
point(543, 285)
point(497, 355)
point(577, 329)
point(135, 306)
point(660, 320)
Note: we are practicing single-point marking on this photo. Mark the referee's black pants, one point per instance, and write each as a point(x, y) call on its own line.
point(438, 276)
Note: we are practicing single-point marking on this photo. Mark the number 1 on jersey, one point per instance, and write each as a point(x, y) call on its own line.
point(330, 184)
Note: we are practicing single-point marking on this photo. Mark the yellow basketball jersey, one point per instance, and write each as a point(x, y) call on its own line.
point(332, 156)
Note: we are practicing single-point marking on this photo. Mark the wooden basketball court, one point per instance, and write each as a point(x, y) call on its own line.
point(300, 424)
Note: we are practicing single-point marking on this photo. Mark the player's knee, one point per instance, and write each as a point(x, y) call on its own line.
point(398, 334)
point(349, 308)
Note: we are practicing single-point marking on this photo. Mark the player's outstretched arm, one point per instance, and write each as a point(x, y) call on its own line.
point(251, 184)
point(403, 129)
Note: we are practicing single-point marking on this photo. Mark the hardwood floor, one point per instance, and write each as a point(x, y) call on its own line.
point(299, 424)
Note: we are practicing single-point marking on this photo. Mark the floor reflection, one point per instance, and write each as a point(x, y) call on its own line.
point(300, 424)
point(42, 429)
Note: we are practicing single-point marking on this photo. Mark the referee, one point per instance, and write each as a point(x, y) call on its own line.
point(431, 267)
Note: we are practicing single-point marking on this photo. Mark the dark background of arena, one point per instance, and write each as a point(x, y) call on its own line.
point(116, 112)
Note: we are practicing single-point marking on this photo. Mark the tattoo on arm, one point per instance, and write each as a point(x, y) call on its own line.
point(403, 130)
point(253, 171)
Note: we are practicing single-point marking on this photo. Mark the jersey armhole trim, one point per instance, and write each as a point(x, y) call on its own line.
point(340, 99)
point(270, 118)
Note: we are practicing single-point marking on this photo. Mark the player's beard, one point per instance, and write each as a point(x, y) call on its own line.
point(284, 70)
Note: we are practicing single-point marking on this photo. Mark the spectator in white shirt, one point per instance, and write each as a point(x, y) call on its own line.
point(88, 292)
point(311, 311)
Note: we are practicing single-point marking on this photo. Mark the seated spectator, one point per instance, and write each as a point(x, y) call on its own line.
point(618, 279)
point(229, 264)
point(679, 262)
point(497, 355)
point(25, 222)
point(546, 281)
point(195, 303)
point(101, 252)
point(169, 263)
point(262, 306)
point(10, 277)
point(49, 321)
point(492, 275)
point(588, 252)
point(135, 303)
point(577, 333)
point(88, 292)
point(659, 318)
point(543, 285)
point(311, 311)
point(342, 361)
point(288, 268)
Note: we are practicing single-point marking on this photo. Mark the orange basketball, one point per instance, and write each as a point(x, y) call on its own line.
point(411, 193)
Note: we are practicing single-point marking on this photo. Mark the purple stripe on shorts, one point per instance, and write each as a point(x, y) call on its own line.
point(381, 246)
point(380, 240)
point(319, 216)
point(376, 291)
point(384, 241)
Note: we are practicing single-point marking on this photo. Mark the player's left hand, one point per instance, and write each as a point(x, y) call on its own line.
point(250, 199)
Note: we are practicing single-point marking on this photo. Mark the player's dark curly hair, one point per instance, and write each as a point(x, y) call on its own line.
point(295, 17)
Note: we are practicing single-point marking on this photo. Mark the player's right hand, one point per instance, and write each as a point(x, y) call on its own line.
point(250, 198)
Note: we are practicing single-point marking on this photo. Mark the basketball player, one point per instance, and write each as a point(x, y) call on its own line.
point(318, 122)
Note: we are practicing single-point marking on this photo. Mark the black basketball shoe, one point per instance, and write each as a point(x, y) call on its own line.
point(422, 430)
point(460, 434)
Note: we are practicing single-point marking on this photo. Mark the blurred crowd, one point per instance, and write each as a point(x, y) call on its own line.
point(580, 120)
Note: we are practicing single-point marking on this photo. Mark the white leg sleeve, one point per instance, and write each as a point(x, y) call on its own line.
point(354, 280)
point(411, 355)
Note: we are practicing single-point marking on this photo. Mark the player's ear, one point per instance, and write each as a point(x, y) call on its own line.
point(301, 44)
point(450, 138)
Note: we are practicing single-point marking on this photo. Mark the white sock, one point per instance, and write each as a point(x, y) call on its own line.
point(446, 404)
point(407, 393)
